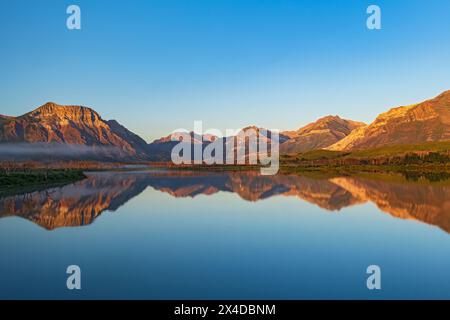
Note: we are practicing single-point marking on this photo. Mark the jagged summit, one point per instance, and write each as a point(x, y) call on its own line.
point(75, 125)
point(54, 110)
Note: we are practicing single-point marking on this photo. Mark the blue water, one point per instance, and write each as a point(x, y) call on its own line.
point(220, 246)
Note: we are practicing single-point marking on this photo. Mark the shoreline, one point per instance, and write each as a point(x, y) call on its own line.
point(30, 180)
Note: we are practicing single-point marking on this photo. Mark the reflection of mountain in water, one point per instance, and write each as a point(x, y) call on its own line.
point(76, 204)
point(80, 203)
point(426, 202)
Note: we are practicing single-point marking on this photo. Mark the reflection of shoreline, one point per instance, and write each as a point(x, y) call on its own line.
point(82, 202)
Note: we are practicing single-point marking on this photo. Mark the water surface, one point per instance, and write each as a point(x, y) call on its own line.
point(190, 235)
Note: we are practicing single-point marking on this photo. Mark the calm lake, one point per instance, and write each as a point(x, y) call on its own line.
point(202, 235)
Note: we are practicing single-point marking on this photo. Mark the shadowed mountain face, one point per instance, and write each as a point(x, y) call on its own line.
point(81, 203)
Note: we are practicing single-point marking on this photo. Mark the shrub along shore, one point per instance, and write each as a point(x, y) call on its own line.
point(13, 179)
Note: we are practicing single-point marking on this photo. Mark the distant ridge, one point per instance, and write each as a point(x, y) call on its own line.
point(53, 124)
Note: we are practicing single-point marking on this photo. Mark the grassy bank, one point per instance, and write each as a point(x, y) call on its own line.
point(407, 154)
point(11, 181)
point(290, 168)
point(425, 157)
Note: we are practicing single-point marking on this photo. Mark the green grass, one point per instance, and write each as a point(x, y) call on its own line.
point(34, 179)
point(425, 157)
point(315, 155)
point(430, 159)
point(399, 158)
point(389, 151)
point(388, 173)
point(403, 149)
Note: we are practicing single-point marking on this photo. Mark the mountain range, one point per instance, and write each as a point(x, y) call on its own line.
point(54, 125)
point(80, 203)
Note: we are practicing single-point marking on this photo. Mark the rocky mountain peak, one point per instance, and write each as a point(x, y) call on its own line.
point(319, 134)
point(51, 110)
point(52, 124)
point(417, 123)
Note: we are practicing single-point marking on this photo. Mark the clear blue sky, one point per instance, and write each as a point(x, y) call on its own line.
point(158, 65)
